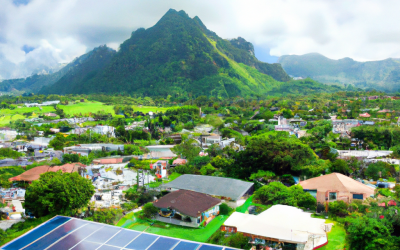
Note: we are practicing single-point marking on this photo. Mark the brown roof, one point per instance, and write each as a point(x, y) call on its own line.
point(336, 181)
point(34, 173)
point(187, 202)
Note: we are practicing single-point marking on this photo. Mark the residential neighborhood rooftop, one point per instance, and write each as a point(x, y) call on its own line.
point(211, 185)
point(187, 202)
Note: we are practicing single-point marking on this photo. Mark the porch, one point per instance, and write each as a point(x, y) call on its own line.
point(176, 222)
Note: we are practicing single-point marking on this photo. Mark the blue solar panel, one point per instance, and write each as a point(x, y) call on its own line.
point(87, 245)
point(163, 244)
point(186, 245)
point(105, 247)
point(123, 238)
point(142, 242)
point(57, 234)
point(37, 233)
point(103, 234)
point(209, 247)
point(75, 237)
point(69, 233)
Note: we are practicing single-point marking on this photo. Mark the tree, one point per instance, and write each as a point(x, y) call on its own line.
point(238, 240)
point(276, 152)
point(58, 142)
point(368, 233)
point(187, 149)
point(264, 176)
point(58, 193)
point(9, 153)
point(107, 215)
point(277, 193)
point(222, 163)
point(207, 169)
point(149, 210)
point(340, 166)
point(379, 170)
point(68, 158)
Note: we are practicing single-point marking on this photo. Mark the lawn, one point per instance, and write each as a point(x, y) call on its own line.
point(172, 177)
point(249, 202)
point(86, 107)
point(16, 114)
point(5, 120)
point(36, 110)
point(159, 228)
point(147, 109)
point(336, 237)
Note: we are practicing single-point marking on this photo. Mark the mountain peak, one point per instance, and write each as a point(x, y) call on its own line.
point(172, 14)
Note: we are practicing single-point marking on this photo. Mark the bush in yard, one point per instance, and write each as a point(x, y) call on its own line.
point(238, 240)
point(368, 233)
point(68, 158)
point(276, 193)
point(224, 209)
point(185, 169)
point(129, 206)
point(207, 169)
point(338, 208)
point(107, 215)
point(149, 211)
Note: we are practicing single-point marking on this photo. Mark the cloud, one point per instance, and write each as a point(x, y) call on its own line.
point(58, 31)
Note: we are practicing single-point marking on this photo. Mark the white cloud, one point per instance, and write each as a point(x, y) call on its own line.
point(64, 29)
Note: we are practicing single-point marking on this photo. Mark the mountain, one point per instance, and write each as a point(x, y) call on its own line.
point(83, 66)
point(177, 56)
point(381, 75)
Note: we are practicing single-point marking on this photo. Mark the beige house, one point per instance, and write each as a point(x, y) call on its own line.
point(335, 186)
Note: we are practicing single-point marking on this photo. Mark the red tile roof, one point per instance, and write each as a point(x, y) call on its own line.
point(34, 173)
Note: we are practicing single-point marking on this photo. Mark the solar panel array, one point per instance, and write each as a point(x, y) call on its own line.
point(70, 233)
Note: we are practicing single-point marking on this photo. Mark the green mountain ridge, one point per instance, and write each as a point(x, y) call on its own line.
point(381, 75)
point(178, 56)
point(36, 82)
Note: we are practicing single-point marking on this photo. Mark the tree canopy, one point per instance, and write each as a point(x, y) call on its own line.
point(58, 193)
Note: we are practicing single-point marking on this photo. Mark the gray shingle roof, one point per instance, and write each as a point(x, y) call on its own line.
point(211, 185)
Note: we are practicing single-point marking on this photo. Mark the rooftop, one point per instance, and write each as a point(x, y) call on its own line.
point(336, 181)
point(187, 202)
point(211, 185)
point(285, 223)
point(34, 173)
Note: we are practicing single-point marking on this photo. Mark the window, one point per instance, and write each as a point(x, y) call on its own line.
point(358, 196)
point(332, 196)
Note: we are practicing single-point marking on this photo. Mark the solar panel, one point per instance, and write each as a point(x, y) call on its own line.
point(70, 233)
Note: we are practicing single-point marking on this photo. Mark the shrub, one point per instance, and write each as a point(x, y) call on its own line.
point(338, 208)
point(224, 209)
point(207, 169)
point(185, 169)
point(129, 206)
point(149, 210)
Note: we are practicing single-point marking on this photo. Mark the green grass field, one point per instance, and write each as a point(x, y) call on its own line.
point(159, 228)
point(36, 110)
point(172, 177)
point(8, 115)
point(5, 120)
point(146, 109)
point(336, 237)
point(86, 108)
